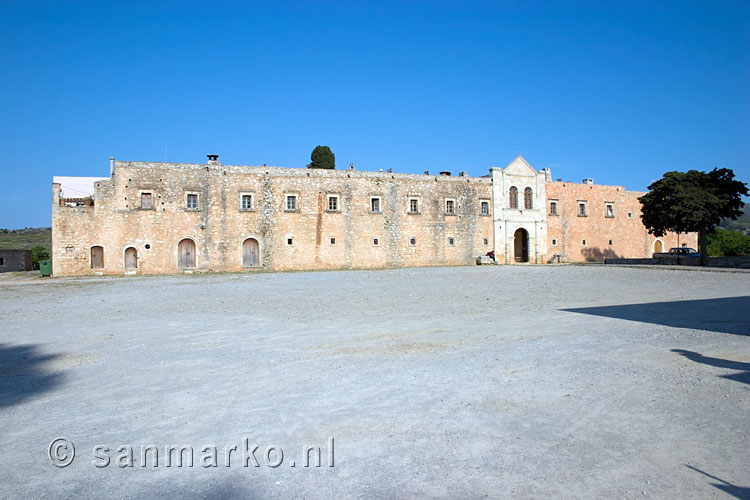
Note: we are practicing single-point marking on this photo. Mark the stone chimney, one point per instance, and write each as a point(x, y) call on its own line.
point(213, 159)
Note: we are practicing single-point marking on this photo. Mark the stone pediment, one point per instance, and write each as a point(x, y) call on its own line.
point(519, 167)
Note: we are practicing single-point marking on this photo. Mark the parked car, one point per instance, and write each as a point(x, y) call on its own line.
point(684, 252)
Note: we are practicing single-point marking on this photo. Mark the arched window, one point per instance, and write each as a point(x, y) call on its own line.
point(527, 201)
point(513, 197)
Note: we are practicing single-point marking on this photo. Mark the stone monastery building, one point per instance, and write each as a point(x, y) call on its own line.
point(170, 217)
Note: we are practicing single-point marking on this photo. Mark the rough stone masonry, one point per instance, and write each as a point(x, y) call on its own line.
point(152, 218)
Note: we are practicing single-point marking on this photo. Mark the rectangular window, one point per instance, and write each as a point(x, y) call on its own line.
point(333, 203)
point(554, 242)
point(147, 201)
point(583, 243)
point(630, 214)
point(412, 242)
point(191, 201)
point(553, 207)
point(450, 207)
point(375, 241)
point(610, 242)
point(247, 202)
point(291, 203)
point(375, 205)
point(451, 241)
point(484, 208)
point(582, 209)
point(609, 210)
point(2, 261)
point(333, 241)
point(413, 205)
point(290, 241)
point(486, 241)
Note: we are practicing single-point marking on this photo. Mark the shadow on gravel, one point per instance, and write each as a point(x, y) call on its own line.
point(736, 491)
point(223, 488)
point(727, 315)
point(23, 373)
point(743, 374)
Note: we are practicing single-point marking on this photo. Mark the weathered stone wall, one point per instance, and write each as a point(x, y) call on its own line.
point(219, 225)
point(15, 260)
point(621, 235)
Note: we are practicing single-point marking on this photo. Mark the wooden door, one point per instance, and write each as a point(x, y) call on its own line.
point(186, 251)
point(658, 248)
point(131, 258)
point(97, 257)
point(250, 253)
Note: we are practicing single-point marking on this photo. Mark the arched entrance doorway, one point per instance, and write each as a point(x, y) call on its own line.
point(658, 247)
point(250, 253)
point(131, 258)
point(186, 252)
point(97, 257)
point(521, 246)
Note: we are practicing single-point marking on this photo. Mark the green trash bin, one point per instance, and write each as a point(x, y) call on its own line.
point(45, 267)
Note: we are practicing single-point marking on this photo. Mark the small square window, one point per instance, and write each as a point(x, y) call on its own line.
point(291, 203)
point(412, 242)
point(554, 242)
point(247, 202)
point(584, 243)
point(413, 205)
point(553, 208)
point(147, 201)
point(486, 241)
point(375, 241)
point(192, 201)
point(290, 241)
point(451, 241)
point(333, 203)
point(484, 208)
point(609, 210)
point(450, 207)
point(375, 205)
point(333, 241)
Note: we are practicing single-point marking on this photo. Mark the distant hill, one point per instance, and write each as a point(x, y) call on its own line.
point(741, 224)
point(26, 238)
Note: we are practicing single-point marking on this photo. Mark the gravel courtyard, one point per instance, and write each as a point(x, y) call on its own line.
point(497, 382)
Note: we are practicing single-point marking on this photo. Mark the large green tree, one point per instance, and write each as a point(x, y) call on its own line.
point(322, 157)
point(727, 242)
point(692, 201)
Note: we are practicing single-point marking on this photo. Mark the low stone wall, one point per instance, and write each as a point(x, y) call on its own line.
point(733, 262)
point(741, 262)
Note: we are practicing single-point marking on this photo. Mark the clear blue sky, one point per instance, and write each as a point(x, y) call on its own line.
point(620, 92)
